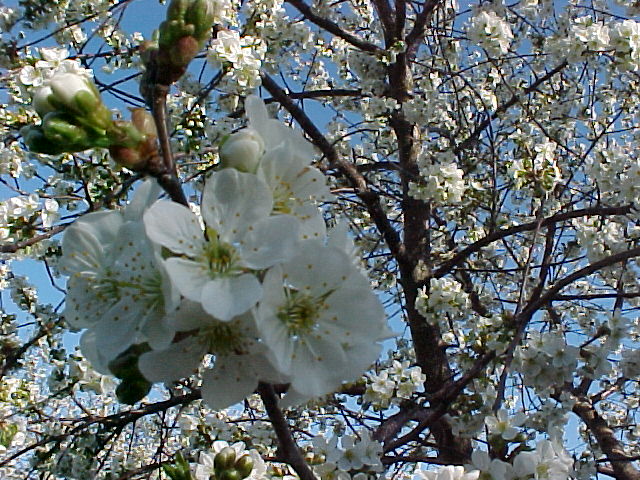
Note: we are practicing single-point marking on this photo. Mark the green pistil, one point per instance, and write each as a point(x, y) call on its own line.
point(300, 313)
point(221, 257)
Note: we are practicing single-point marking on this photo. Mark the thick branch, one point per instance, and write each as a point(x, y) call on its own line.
point(621, 467)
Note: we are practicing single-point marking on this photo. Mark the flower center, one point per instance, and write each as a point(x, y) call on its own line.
point(300, 312)
point(224, 338)
point(221, 257)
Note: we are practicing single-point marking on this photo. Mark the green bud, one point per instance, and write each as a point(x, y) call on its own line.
point(225, 459)
point(201, 15)
point(229, 475)
point(180, 470)
point(177, 9)
point(244, 465)
point(131, 391)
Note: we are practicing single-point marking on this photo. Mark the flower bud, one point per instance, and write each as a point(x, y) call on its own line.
point(225, 459)
point(229, 475)
point(41, 100)
point(244, 465)
point(242, 151)
point(132, 390)
point(73, 92)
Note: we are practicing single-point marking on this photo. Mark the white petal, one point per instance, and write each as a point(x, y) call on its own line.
point(145, 195)
point(316, 365)
point(175, 227)
point(82, 252)
point(119, 328)
point(273, 240)
point(227, 297)
point(188, 277)
point(232, 201)
point(230, 381)
point(83, 308)
point(91, 353)
point(179, 360)
point(318, 268)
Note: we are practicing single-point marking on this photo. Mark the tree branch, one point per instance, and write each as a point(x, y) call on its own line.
point(288, 448)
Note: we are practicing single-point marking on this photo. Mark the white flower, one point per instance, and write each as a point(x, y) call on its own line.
point(504, 425)
point(115, 288)
point(491, 32)
point(49, 212)
point(320, 319)
point(220, 270)
point(286, 168)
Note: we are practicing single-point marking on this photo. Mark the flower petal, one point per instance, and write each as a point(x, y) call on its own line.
point(175, 227)
point(230, 381)
point(179, 360)
point(227, 297)
point(273, 240)
point(232, 201)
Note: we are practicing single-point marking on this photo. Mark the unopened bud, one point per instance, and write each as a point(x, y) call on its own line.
point(73, 92)
point(37, 142)
point(230, 475)
point(244, 466)
point(242, 151)
point(225, 459)
point(41, 100)
point(131, 391)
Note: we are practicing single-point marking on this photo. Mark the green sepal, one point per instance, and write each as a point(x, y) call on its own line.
point(59, 127)
point(86, 102)
point(37, 142)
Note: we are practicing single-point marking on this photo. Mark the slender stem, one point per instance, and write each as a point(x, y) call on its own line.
point(167, 175)
point(288, 447)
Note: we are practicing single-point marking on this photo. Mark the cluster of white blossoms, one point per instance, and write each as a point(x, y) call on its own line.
point(549, 461)
point(491, 32)
point(254, 283)
point(244, 56)
point(53, 61)
point(441, 179)
point(357, 457)
point(393, 384)
point(620, 37)
point(444, 296)
point(545, 350)
point(18, 211)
